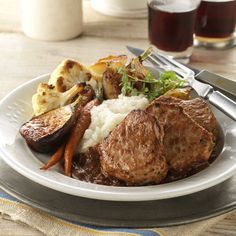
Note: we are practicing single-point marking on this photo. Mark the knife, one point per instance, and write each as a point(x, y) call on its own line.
point(224, 85)
point(206, 91)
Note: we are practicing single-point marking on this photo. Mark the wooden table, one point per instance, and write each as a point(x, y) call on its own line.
point(22, 58)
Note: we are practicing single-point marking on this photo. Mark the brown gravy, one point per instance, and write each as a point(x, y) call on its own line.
point(86, 167)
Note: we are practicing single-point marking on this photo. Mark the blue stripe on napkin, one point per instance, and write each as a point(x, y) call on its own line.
point(141, 232)
point(138, 232)
point(7, 196)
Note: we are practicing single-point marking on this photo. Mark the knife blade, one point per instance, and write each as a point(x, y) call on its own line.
point(224, 85)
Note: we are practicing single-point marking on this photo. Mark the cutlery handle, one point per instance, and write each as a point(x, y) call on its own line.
point(225, 104)
point(217, 81)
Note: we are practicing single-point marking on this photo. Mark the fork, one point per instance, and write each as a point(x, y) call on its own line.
point(216, 98)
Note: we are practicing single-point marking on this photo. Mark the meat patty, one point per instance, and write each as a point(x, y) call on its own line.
point(133, 152)
point(197, 109)
point(186, 143)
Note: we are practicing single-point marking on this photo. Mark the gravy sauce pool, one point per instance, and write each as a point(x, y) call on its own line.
point(86, 167)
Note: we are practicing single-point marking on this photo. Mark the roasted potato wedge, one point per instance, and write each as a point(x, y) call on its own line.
point(181, 93)
point(113, 62)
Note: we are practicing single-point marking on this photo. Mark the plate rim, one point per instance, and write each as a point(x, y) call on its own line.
point(27, 198)
point(143, 193)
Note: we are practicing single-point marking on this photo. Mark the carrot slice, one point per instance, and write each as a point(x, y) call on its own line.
point(56, 157)
point(83, 122)
point(91, 104)
point(77, 133)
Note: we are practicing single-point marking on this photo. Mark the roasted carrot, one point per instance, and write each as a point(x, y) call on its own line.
point(83, 122)
point(91, 104)
point(56, 157)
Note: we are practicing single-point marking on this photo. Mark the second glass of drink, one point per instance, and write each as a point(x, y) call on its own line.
point(215, 24)
point(171, 26)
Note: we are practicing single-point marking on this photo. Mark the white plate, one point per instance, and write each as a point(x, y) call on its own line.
point(16, 109)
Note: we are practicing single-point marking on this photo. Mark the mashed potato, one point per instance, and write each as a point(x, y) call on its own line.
point(107, 115)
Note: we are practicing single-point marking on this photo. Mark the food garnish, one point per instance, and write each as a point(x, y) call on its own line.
point(137, 79)
point(149, 86)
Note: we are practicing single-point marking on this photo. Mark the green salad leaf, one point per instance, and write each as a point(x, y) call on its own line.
point(150, 86)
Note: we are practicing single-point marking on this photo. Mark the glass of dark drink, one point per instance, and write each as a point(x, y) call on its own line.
point(215, 23)
point(171, 26)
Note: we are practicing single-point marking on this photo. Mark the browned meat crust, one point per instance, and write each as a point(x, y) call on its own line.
point(133, 152)
point(186, 143)
point(197, 109)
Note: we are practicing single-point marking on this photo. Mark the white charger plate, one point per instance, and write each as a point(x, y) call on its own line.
point(16, 109)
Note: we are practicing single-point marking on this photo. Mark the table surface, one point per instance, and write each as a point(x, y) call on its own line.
point(22, 59)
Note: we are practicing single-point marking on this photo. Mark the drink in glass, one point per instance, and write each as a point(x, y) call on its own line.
point(171, 26)
point(215, 23)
